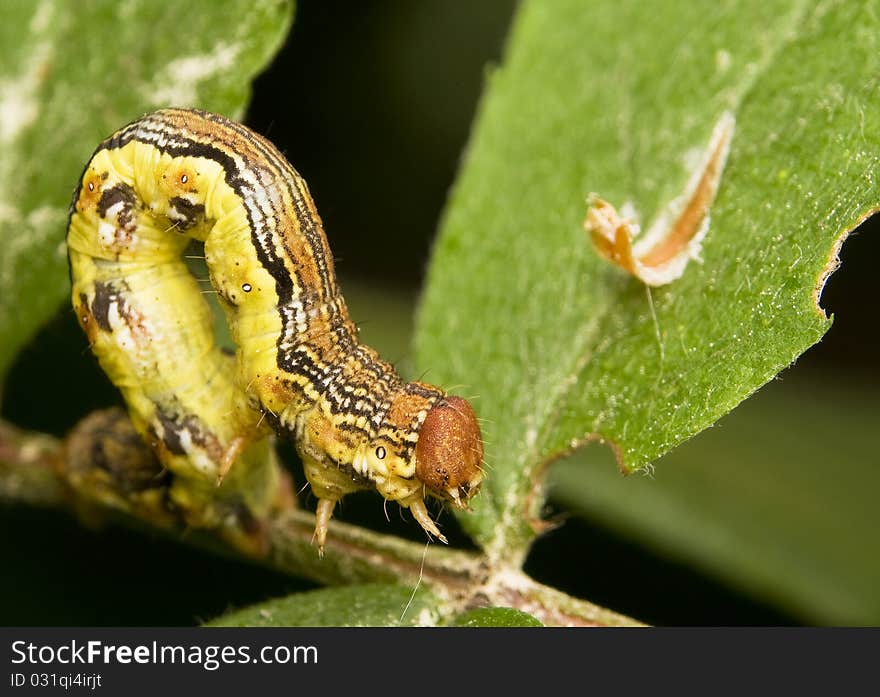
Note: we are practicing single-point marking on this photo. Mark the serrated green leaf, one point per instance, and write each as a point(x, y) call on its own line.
point(496, 617)
point(368, 605)
point(616, 98)
point(72, 73)
point(779, 500)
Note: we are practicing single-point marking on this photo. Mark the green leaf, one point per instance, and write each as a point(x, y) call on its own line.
point(72, 73)
point(616, 98)
point(496, 617)
point(761, 500)
point(368, 605)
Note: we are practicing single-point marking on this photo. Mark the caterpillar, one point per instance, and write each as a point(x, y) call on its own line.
point(181, 174)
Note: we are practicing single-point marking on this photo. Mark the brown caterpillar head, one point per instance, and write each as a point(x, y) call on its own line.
point(449, 452)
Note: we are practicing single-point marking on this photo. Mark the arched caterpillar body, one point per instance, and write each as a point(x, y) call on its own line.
point(152, 331)
point(356, 424)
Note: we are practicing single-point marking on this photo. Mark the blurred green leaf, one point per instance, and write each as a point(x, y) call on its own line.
point(384, 316)
point(780, 499)
point(368, 605)
point(72, 73)
point(613, 97)
point(496, 617)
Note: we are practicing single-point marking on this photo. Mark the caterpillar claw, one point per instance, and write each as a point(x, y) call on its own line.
point(420, 513)
point(230, 455)
point(322, 520)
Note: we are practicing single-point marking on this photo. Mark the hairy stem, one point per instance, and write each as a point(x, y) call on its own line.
point(32, 472)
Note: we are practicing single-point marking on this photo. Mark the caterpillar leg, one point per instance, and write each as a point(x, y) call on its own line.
point(420, 513)
point(322, 519)
point(235, 448)
point(329, 484)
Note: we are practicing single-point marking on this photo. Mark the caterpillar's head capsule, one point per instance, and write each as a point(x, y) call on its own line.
point(449, 452)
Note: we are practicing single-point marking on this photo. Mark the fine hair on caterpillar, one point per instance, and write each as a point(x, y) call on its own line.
point(181, 174)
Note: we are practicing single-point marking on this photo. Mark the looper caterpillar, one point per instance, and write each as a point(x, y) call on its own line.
point(177, 174)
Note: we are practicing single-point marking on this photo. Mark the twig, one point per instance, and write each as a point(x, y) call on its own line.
point(32, 472)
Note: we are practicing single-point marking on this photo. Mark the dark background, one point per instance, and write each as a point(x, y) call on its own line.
point(372, 102)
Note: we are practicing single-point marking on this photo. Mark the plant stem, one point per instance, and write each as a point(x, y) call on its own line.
point(32, 472)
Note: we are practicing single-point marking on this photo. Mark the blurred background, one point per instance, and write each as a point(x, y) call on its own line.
point(768, 518)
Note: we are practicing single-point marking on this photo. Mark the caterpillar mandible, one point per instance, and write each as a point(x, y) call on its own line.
point(177, 174)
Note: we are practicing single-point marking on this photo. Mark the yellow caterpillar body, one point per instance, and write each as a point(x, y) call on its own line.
point(152, 331)
point(180, 173)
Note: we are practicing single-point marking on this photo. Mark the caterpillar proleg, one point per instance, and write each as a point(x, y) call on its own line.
point(177, 174)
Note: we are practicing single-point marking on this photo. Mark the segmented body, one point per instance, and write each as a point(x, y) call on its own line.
point(356, 424)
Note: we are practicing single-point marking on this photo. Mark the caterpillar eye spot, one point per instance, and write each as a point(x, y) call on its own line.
point(246, 287)
point(380, 452)
point(91, 186)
